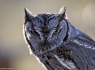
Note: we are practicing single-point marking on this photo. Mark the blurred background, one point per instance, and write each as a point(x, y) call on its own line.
point(14, 53)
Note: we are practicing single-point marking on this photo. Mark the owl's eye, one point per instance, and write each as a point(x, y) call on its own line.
point(57, 31)
point(33, 32)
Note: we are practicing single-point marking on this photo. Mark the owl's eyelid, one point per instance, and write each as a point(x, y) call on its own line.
point(33, 31)
point(54, 28)
point(57, 28)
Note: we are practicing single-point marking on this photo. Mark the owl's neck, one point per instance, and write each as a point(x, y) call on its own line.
point(41, 51)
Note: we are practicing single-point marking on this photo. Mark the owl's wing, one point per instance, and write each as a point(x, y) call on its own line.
point(69, 65)
point(84, 41)
point(79, 38)
point(77, 52)
point(80, 52)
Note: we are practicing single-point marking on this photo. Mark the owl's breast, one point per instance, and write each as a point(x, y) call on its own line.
point(53, 61)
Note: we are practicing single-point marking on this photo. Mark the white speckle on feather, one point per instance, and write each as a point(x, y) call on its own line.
point(85, 45)
point(66, 63)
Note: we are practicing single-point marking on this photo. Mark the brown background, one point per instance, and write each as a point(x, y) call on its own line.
point(13, 49)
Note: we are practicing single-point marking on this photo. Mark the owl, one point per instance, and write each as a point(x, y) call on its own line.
point(56, 43)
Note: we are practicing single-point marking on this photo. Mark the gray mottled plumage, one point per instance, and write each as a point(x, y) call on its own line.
point(57, 43)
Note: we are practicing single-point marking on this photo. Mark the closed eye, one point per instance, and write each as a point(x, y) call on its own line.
point(33, 32)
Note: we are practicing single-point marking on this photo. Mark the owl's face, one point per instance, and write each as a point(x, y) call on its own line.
point(44, 32)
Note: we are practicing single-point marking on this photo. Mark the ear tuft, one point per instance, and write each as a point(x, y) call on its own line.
point(62, 10)
point(28, 14)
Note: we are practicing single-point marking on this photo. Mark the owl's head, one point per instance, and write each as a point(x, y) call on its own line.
point(45, 32)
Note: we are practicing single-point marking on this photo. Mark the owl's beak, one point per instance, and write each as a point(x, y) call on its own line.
point(46, 36)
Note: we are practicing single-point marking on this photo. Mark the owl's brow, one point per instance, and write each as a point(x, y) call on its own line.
point(39, 20)
point(53, 16)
